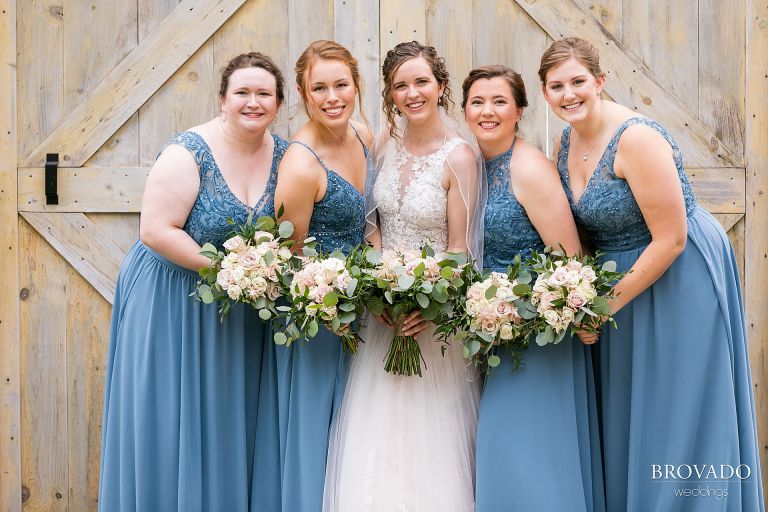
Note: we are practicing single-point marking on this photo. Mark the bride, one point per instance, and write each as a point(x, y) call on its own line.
point(407, 444)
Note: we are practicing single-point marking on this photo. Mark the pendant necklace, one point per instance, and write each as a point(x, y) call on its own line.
point(585, 156)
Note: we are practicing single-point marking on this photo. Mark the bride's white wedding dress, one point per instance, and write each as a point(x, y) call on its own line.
point(406, 444)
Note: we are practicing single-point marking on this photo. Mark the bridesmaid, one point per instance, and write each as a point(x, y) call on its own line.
point(537, 440)
point(322, 183)
point(675, 378)
point(182, 387)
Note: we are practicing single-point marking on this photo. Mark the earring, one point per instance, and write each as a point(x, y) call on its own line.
point(224, 118)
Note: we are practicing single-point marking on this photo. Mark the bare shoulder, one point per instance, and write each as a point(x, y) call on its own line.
point(299, 163)
point(462, 155)
point(638, 138)
point(176, 159)
point(364, 132)
point(530, 162)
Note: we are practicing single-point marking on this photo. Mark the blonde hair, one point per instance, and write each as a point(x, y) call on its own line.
point(570, 48)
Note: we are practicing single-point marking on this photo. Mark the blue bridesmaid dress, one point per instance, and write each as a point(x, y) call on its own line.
point(182, 388)
point(538, 447)
point(312, 375)
point(674, 377)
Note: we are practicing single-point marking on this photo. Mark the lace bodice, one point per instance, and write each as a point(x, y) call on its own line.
point(215, 202)
point(411, 200)
point(338, 219)
point(607, 209)
point(508, 230)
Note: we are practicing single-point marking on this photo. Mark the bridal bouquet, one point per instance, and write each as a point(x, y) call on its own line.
point(249, 269)
point(324, 291)
point(568, 290)
point(405, 281)
point(496, 312)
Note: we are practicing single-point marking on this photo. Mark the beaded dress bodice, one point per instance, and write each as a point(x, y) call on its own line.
point(607, 209)
point(215, 202)
point(338, 219)
point(411, 200)
point(508, 230)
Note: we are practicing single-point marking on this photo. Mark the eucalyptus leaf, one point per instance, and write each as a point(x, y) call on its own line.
point(330, 299)
point(312, 329)
point(280, 338)
point(309, 251)
point(265, 314)
point(474, 347)
point(522, 290)
point(446, 272)
point(422, 299)
point(490, 293)
point(609, 266)
point(351, 287)
point(286, 229)
point(405, 281)
point(494, 361)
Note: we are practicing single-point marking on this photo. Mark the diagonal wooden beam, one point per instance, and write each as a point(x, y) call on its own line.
point(132, 82)
point(631, 83)
point(83, 245)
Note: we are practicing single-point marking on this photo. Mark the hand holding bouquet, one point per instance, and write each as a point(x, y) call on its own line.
point(324, 291)
point(405, 281)
point(249, 269)
point(569, 291)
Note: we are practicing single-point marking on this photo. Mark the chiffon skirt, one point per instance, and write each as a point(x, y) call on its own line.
point(310, 380)
point(181, 397)
point(404, 444)
point(538, 445)
point(676, 386)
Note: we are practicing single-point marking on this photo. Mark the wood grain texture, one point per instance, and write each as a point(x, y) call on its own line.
point(122, 228)
point(632, 84)
point(110, 26)
point(756, 230)
point(308, 21)
point(519, 49)
point(88, 319)
point(356, 26)
point(719, 189)
point(664, 35)
point(43, 317)
point(132, 82)
point(610, 15)
point(721, 71)
point(10, 372)
point(84, 189)
point(256, 26)
point(83, 245)
point(401, 20)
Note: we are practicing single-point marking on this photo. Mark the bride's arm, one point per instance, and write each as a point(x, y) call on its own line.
point(460, 181)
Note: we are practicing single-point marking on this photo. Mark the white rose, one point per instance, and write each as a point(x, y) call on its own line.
point(259, 284)
point(329, 313)
point(574, 277)
point(588, 273)
point(472, 307)
point(488, 327)
point(475, 292)
point(551, 317)
point(559, 277)
point(587, 290)
point(263, 234)
point(234, 292)
point(505, 332)
point(573, 265)
point(273, 291)
point(230, 260)
point(224, 278)
point(235, 244)
point(540, 285)
point(343, 281)
point(566, 317)
point(250, 260)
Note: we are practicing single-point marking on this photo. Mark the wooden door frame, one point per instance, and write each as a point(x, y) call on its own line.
point(10, 412)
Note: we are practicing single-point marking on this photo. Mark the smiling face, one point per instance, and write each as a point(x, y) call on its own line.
point(250, 102)
point(416, 91)
point(330, 95)
point(491, 112)
point(572, 91)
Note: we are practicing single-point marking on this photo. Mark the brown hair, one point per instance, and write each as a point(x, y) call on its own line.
point(253, 60)
point(513, 79)
point(328, 50)
point(395, 58)
point(570, 48)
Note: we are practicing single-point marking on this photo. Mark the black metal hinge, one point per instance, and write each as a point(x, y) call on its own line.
point(51, 182)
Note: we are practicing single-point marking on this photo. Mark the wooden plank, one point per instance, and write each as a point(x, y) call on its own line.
point(450, 29)
point(395, 27)
point(308, 20)
point(89, 28)
point(84, 189)
point(88, 318)
point(133, 81)
point(123, 228)
point(40, 57)
point(43, 316)
point(667, 44)
point(728, 220)
point(10, 373)
point(609, 14)
point(736, 235)
point(719, 189)
point(631, 83)
point(721, 71)
point(756, 236)
point(356, 26)
point(518, 49)
point(246, 31)
point(83, 245)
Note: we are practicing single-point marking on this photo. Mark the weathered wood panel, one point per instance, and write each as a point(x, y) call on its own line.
point(122, 228)
point(519, 49)
point(631, 83)
point(610, 14)
point(756, 231)
point(43, 319)
point(10, 372)
point(395, 28)
point(110, 26)
point(87, 322)
point(133, 81)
